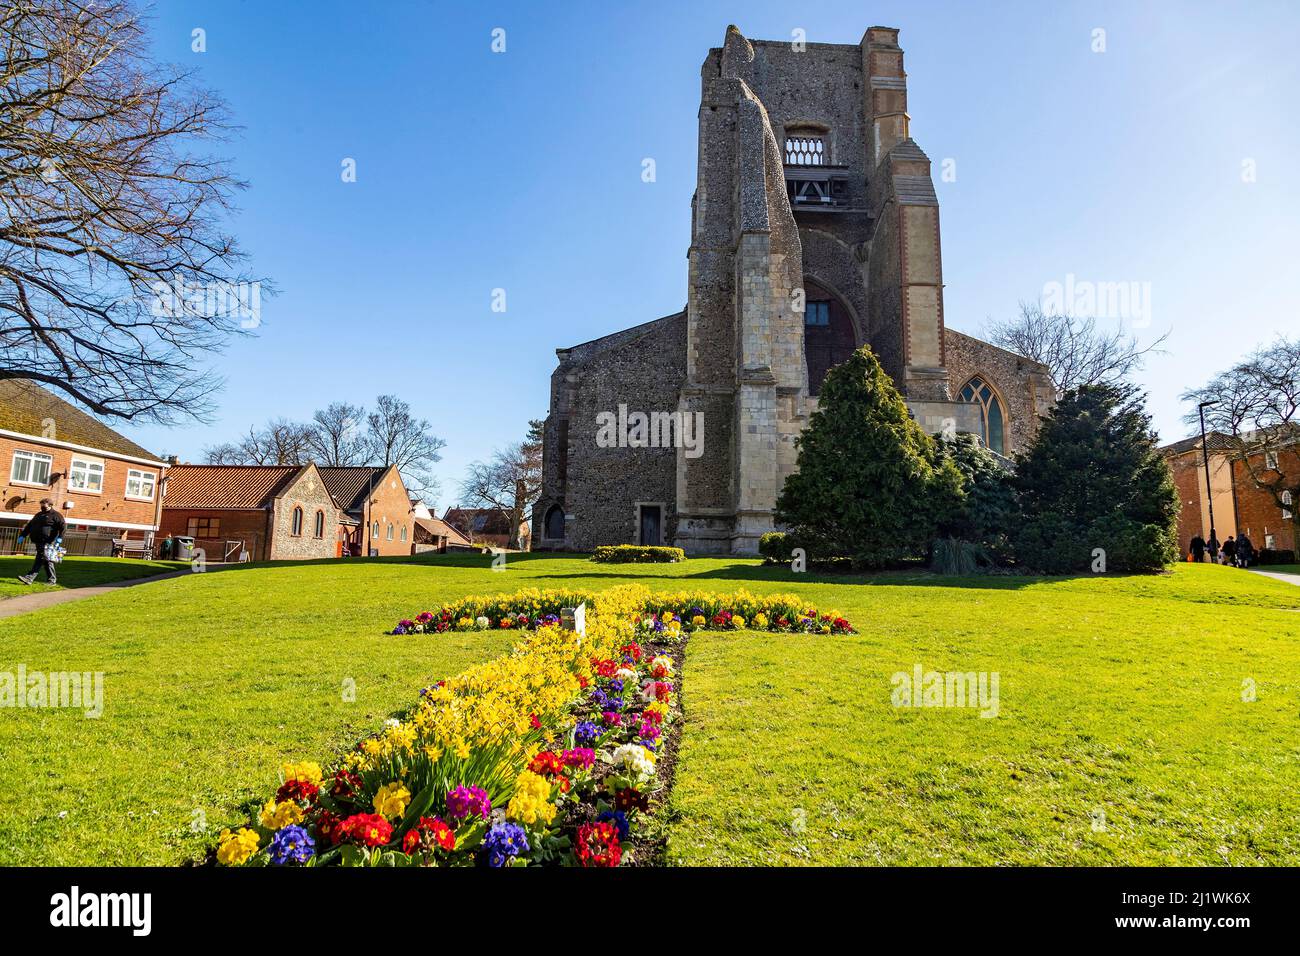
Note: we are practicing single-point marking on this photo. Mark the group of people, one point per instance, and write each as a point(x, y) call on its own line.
point(1238, 552)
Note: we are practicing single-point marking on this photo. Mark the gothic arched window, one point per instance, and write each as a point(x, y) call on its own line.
point(992, 418)
point(297, 522)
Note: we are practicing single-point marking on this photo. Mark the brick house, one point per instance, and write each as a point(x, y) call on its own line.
point(487, 526)
point(434, 534)
point(1258, 514)
point(266, 512)
point(1240, 506)
point(376, 507)
point(1188, 468)
point(106, 485)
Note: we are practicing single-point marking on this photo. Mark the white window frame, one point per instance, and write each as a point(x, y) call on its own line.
point(139, 474)
point(89, 463)
point(1270, 460)
point(31, 457)
point(1286, 500)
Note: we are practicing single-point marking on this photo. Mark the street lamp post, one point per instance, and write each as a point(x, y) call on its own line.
point(1205, 457)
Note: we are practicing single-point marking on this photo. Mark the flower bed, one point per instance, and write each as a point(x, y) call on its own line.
point(546, 755)
point(703, 610)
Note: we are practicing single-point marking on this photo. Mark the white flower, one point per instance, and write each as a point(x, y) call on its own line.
point(635, 759)
point(662, 661)
point(625, 675)
point(481, 623)
point(392, 723)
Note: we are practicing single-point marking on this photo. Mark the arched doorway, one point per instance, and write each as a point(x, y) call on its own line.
point(828, 337)
point(553, 525)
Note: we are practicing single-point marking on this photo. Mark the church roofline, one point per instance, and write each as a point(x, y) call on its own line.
point(561, 353)
point(949, 330)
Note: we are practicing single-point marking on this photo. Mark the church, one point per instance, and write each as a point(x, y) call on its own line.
point(814, 231)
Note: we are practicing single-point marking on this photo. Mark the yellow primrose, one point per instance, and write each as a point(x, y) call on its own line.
point(235, 848)
point(277, 815)
point(391, 800)
point(306, 771)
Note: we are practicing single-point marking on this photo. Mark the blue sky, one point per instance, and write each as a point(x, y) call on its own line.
point(522, 171)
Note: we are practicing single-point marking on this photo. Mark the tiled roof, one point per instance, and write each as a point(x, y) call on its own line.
point(24, 407)
point(226, 486)
point(350, 485)
point(440, 528)
point(1215, 441)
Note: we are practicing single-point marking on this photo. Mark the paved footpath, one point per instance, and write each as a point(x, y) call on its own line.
point(1278, 575)
point(43, 599)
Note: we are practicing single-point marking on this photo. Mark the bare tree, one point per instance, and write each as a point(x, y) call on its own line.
point(335, 438)
point(116, 278)
point(281, 442)
point(1257, 402)
point(226, 453)
point(1074, 350)
point(396, 437)
point(511, 481)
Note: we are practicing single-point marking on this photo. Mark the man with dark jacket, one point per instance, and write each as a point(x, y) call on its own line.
point(1245, 552)
point(46, 527)
point(1198, 548)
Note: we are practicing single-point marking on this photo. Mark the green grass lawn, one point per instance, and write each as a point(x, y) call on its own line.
point(1116, 693)
point(1282, 568)
point(1120, 697)
point(79, 573)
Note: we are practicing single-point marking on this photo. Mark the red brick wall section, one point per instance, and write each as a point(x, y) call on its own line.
point(391, 507)
point(88, 508)
point(246, 526)
point(1258, 513)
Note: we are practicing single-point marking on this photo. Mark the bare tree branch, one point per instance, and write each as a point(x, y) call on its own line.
point(116, 278)
point(511, 481)
point(1257, 403)
point(1074, 350)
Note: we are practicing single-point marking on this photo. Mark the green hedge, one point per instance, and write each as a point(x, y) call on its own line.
point(637, 554)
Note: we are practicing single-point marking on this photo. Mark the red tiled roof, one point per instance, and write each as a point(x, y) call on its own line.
point(26, 406)
point(440, 529)
point(226, 486)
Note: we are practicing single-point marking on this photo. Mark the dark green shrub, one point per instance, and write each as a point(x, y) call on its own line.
point(871, 485)
point(1093, 491)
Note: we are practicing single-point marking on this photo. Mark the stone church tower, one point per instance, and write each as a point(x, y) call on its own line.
point(815, 229)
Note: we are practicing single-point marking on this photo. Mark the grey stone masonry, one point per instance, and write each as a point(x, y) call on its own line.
point(808, 182)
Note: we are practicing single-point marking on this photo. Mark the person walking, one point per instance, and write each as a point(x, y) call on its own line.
point(1245, 551)
point(1198, 548)
point(45, 528)
point(1212, 548)
point(1230, 551)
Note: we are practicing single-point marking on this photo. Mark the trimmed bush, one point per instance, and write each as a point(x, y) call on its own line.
point(777, 547)
point(1275, 556)
point(637, 554)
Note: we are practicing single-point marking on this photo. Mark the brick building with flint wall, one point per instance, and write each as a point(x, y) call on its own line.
point(814, 231)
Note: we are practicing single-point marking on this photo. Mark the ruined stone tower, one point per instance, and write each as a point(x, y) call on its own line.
point(815, 229)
